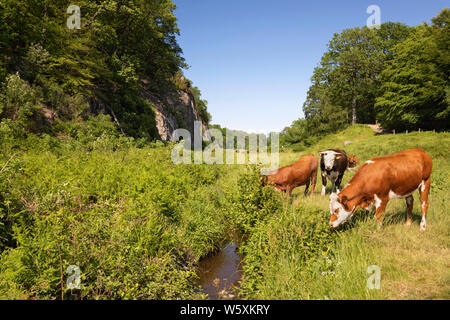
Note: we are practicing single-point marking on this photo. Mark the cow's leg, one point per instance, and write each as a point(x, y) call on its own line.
point(424, 190)
point(409, 206)
point(380, 209)
point(313, 181)
point(324, 183)
point(307, 186)
point(338, 182)
point(333, 185)
point(288, 192)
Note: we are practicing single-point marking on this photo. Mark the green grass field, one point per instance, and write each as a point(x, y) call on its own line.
point(136, 225)
point(414, 264)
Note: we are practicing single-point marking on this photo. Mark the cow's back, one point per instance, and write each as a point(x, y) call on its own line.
point(303, 168)
point(406, 160)
point(400, 173)
point(308, 162)
point(298, 171)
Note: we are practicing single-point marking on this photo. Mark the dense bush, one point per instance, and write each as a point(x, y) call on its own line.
point(132, 221)
point(275, 236)
point(300, 239)
point(19, 102)
point(253, 203)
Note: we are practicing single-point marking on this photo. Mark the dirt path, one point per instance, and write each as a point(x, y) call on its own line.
point(376, 127)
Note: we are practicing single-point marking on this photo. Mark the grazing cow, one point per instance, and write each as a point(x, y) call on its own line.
point(333, 163)
point(302, 172)
point(381, 179)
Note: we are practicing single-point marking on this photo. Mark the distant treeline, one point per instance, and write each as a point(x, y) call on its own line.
point(124, 51)
point(396, 75)
point(243, 136)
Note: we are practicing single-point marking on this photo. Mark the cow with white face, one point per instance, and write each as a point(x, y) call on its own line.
point(333, 163)
point(339, 213)
point(382, 179)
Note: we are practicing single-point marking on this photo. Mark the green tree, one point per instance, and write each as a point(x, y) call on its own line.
point(346, 82)
point(124, 48)
point(392, 33)
point(201, 105)
point(354, 60)
point(415, 85)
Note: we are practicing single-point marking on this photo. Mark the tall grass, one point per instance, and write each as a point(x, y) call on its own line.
point(136, 224)
point(132, 221)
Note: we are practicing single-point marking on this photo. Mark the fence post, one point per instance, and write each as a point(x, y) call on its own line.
point(393, 131)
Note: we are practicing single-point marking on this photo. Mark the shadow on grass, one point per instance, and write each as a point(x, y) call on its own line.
point(367, 216)
point(360, 217)
point(399, 217)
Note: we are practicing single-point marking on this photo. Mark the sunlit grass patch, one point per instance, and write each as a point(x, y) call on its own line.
point(413, 264)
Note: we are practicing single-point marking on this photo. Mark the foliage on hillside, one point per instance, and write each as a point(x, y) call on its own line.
point(51, 73)
point(415, 84)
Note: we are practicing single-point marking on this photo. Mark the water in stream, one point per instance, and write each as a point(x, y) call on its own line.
point(219, 273)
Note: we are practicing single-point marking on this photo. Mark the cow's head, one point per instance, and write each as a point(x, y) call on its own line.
point(329, 159)
point(342, 208)
point(339, 210)
point(353, 161)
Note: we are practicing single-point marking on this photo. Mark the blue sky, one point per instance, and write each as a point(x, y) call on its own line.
point(253, 60)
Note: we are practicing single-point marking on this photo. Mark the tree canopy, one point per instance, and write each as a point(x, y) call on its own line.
point(396, 75)
point(123, 48)
point(415, 86)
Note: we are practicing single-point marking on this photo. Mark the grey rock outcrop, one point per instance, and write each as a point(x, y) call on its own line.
point(177, 112)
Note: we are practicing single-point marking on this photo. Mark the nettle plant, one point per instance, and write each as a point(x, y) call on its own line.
point(254, 202)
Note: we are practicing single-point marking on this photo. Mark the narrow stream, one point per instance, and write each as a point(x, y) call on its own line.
point(219, 273)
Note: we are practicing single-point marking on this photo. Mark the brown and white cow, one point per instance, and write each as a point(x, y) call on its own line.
point(302, 172)
point(382, 179)
point(333, 163)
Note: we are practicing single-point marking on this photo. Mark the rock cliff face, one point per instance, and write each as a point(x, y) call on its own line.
point(177, 112)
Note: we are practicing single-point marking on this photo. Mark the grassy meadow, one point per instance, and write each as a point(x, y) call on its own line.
point(136, 224)
point(414, 264)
